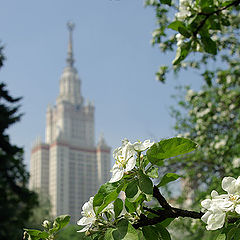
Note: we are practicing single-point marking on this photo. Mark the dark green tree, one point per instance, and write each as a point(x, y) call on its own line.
point(16, 200)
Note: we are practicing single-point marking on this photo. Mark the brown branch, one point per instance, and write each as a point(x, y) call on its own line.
point(166, 212)
point(162, 201)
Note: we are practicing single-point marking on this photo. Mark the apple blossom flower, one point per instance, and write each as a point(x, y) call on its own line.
point(142, 146)
point(215, 216)
point(231, 185)
point(125, 160)
point(89, 216)
point(218, 207)
point(236, 162)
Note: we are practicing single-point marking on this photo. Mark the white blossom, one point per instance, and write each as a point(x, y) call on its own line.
point(218, 207)
point(125, 160)
point(89, 216)
point(46, 224)
point(142, 146)
point(236, 162)
point(220, 144)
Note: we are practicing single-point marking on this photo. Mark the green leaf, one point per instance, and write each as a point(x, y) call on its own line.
point(61, 221)
point(130, 207)
point(166, 222)
point(163, 232)
point(221, 237)
point(145, 184)
point(132, 189)
point(176, 24)
point(167, 178)
point(208, 9)
point(33, 232)
point(36, 234)
point(231, 233)
point(153, 173)
point(151, 233)
point(168, 2)
point(118, 207)
point(125, 231)
point(209, 45)
point(107, 193)
point(181, 53)
point(108, 234)
point(184, 32)
point(169, 148)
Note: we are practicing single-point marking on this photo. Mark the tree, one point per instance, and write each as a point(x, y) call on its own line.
point(16, 201)
point(203, 31)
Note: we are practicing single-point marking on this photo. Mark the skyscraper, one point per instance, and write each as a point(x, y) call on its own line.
point(68, 165)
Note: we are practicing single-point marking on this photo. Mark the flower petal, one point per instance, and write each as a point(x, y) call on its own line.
point(237, 209)
point(130, 164)
point(206, 203)
point(117, 174)
point(228, 184)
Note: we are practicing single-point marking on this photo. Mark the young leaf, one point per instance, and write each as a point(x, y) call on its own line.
point(153, 173)
point(166, 222)
point(184, 32)
point(163, 232)
point(221, 237)
point(62, 221)
point(108, 234)
point(209, 45)
point(36, 234)
point(168, 2)
point(145, 184)
point(151, 233)
point(176, 24)
point(125, 231)
point(167, 178)
point(130, 207)
point(169, 148)
point(182, 52)
point(132, 189)
point(107, 193)
point(118, 207)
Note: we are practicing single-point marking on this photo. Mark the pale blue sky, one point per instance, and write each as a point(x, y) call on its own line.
point(114, 58)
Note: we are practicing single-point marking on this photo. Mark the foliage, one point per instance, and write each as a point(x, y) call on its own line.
point(16, 201)
point(50, 229)
point(212, 121)
point(121, 208)
point(202, 30)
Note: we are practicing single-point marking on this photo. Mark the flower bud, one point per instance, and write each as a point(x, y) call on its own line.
point(46, 224)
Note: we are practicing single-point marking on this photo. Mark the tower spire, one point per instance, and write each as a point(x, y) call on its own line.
point(70, 59)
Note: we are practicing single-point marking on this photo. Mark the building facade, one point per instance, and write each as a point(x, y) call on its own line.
point(69, 166)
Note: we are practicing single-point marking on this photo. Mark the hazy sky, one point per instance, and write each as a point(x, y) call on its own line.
point(113, 56)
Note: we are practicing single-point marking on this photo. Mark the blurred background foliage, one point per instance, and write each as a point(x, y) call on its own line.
point(205, 37)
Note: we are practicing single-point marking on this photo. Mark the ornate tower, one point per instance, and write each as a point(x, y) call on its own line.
point(75, 166)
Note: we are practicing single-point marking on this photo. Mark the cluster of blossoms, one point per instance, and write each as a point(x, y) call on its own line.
point(221, 206)
point(125, 157)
